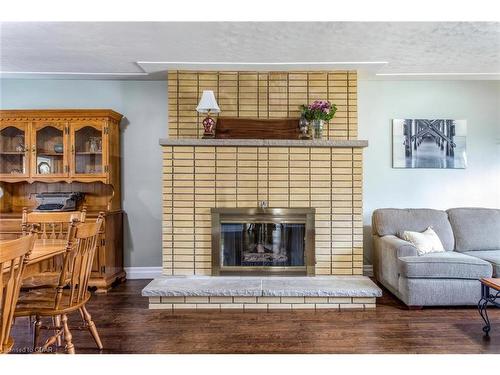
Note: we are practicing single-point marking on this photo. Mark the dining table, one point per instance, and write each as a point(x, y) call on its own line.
point(43, 249)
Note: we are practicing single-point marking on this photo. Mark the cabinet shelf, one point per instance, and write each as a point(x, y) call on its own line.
point(20, 153)
point(49, 153)
point(88, 153)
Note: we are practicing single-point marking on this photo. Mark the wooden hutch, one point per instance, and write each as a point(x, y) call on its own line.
point(65, 151)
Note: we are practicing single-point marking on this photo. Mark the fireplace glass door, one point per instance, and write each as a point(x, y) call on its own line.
point(262, 241)
point(262, 244)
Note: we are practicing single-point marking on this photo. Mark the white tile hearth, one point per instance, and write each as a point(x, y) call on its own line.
point(225, 292)
point(197, 286)
point(326, 286)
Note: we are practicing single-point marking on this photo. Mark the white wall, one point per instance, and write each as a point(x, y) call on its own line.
point(479, 185)
point(144, 104)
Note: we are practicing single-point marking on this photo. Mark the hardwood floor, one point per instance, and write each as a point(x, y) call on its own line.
point(127, 326)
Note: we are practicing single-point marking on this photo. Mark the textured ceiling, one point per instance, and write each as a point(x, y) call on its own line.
point(111, 48)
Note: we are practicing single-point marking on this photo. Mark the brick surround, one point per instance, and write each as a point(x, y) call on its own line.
point(262, 303)
point(197, 178)
point(262, 95)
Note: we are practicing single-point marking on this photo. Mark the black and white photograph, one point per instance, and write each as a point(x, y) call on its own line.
point(429, 143)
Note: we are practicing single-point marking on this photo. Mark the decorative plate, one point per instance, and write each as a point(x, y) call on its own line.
point(43, 168)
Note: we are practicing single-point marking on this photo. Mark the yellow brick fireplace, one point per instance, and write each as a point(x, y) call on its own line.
point(203, 176)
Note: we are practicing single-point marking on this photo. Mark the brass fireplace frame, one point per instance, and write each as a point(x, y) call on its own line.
point(264, 215)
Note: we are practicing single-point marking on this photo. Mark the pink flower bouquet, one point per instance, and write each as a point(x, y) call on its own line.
point(318, 110)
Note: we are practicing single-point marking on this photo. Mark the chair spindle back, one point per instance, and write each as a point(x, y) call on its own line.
point(82, 244)
point(53, 225)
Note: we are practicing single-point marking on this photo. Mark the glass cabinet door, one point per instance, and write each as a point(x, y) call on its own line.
point(87, 143)
point(48, 150)
point(14, 150)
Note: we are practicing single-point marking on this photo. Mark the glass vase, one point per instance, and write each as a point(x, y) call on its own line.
point(317, 126)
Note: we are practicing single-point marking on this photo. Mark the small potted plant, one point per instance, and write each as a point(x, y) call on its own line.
point(317, 113)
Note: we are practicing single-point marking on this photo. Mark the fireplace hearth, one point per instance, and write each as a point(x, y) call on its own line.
point(263, 241)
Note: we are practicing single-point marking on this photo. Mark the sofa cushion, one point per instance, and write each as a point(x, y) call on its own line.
point(475, 228)
point(447, 265)
point(491, 256)
point(426, 242)
point(393, 221)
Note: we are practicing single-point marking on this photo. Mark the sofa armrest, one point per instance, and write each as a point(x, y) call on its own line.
point(398, 247)
point(387, 250)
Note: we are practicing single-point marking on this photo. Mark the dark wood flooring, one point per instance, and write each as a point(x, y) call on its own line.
point(127, 326)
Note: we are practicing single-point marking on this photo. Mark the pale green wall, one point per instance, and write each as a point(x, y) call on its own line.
point(144, 104)
point(479, 185)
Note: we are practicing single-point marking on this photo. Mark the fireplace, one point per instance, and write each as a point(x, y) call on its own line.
point(204, 234)
point(263, 241)
point(202, 174)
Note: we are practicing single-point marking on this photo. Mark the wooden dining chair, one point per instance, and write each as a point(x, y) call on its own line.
point(63, 300)
point(13, 259)
point(52, 225)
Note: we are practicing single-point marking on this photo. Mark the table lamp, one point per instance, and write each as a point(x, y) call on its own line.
point(208, 105)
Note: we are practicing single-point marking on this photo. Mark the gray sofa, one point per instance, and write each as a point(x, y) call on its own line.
point(471, 238)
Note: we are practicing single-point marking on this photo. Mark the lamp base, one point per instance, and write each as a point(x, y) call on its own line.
point(208, 127)
point(208, 136)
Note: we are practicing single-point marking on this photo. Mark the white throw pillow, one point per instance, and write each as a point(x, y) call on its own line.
point(425, 242)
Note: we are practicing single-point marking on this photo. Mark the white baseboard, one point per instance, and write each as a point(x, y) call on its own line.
point(143, 272)
point(368, 270)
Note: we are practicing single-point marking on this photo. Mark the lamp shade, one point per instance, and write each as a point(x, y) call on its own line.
point(208, 103)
